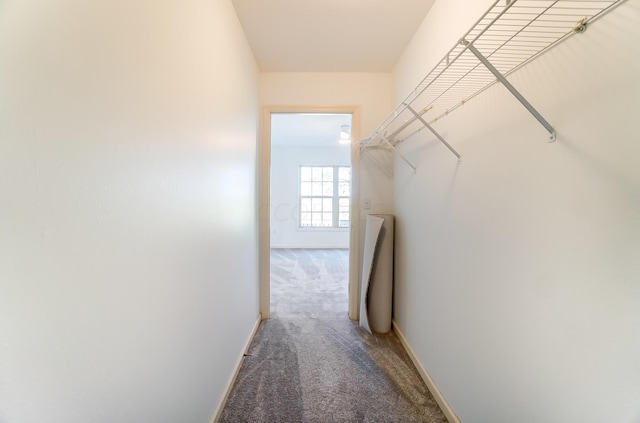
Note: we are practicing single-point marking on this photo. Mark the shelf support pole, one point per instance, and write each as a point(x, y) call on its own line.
point(511, 88)
point(407, 123)
point(433, 131)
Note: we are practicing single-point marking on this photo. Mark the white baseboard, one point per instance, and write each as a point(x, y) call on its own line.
point(236, 370)
point(437, 395)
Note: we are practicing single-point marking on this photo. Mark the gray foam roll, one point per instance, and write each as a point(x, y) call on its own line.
point(376, 300)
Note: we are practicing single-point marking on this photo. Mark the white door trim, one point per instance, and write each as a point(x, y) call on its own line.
point(264, 200)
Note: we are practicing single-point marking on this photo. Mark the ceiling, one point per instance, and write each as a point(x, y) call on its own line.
point(329, 35)
point(307, 129)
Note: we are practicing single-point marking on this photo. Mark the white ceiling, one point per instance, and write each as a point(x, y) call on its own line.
point(329, 35)
point(307, 129)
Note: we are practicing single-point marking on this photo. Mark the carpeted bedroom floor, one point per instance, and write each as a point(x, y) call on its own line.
point(310, 363)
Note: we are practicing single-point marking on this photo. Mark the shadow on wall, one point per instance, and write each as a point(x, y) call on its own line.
point(381, 158)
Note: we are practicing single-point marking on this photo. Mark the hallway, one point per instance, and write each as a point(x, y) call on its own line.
point(310, 363)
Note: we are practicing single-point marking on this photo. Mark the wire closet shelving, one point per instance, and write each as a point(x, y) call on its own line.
point(509, 35)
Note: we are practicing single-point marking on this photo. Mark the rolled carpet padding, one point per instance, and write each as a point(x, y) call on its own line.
point(377, 274)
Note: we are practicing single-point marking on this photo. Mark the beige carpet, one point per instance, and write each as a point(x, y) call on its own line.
point(310, 363)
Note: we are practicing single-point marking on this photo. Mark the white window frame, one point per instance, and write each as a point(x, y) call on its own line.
point(335, 199)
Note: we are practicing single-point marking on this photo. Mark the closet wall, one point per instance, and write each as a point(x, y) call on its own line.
point(128, 268)
point(517, 275)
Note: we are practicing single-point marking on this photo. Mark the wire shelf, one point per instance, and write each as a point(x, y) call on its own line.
point(509, 35)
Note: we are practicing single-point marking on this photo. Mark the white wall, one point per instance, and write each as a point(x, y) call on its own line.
point(517, 275)
point(370, 91)
point(128, 266)
point(285, 200)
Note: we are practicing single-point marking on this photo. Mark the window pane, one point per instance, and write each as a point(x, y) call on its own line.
point(327, 189)
point(327, 174)
point(305, 173)
point(319, 198)
point(344, 174)
point(316, 188)
point(305, 188)
point(344, 189)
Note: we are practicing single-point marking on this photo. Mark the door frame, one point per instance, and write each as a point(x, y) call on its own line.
point(264, 201)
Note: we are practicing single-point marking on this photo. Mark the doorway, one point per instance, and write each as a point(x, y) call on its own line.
point(308, 176)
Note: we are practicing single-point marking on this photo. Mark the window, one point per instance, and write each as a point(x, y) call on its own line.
point(325, 193)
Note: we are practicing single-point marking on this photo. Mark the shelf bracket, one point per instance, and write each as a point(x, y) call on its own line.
point(407, 123)
point(433, 131)
point(511, 88)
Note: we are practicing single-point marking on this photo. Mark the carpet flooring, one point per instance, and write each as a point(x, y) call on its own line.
point(310, 363)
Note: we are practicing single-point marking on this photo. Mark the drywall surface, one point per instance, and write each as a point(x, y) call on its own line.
point(285, 197)
point(128, 273)
point(517, 271)
point(372, 93)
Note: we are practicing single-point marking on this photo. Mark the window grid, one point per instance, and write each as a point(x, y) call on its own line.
point(325, 193)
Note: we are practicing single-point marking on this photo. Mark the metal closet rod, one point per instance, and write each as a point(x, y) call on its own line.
point(513, 41)
point(415, 93)
point(563, 37)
